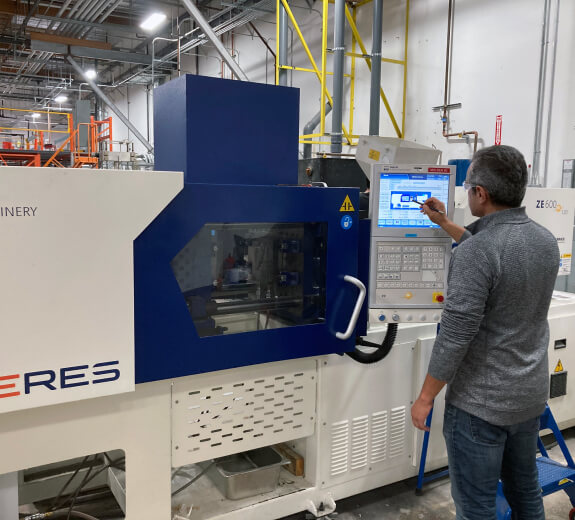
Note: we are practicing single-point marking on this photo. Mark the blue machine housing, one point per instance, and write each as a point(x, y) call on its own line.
point(220, 131)
point(237, 144)
point(167, 343)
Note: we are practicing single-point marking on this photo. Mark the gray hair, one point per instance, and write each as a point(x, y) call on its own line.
point(502, 171)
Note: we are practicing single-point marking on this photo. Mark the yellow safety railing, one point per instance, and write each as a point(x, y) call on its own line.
point(38, 132)
point(351, 16)
point(320, 75)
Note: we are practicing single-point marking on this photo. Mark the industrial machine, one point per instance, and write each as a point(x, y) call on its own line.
point(160, 331)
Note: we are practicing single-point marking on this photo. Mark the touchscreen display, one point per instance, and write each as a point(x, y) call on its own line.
point(399, 194)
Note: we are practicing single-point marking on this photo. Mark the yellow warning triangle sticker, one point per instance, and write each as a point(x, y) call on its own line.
point(347, 205)
point(559, 367)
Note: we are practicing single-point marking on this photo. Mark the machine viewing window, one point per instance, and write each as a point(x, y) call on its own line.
point(253, 276)
point(400, 193)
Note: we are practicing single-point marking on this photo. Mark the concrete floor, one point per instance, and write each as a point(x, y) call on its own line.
point(398, 501)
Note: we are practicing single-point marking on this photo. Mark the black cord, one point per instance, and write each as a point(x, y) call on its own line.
point(73, 514)
point(185, 486)
point(82, 484)
point(61, 492)
point(382, 350)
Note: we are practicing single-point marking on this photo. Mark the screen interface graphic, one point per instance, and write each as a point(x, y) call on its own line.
point(399, 194)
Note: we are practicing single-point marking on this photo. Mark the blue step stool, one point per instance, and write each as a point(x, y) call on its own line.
point(553, 476)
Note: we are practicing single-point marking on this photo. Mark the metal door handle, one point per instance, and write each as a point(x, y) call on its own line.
point(356, 310)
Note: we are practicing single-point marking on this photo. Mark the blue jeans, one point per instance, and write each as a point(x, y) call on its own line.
point(480, 454)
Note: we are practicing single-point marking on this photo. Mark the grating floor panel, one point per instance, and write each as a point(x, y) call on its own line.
point(551, 473)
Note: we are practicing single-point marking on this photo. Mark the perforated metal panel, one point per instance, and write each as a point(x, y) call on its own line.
point(558, 385)
point(367, 439)
point(227, 412)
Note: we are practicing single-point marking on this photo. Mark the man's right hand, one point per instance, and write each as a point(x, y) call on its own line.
point(432, 208)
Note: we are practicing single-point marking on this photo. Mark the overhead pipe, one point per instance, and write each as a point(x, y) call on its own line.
point(78, 10)
point(90, 14)
point(101, 10)
point(191, 44)
point(283, 46)
point(541, 93)
point(551, 90)
point(310, 127)
point(59, 13)
point(444, 117)
point(154, 53)
point(86, 10)
point(211, 35)
point(83, 32)
point(264, 41)
point(375, 67)
point(338, 71)
point(98, 91)
point(447, 62)
point(31, 13)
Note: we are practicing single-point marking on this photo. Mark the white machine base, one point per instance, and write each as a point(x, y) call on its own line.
point(362, 437)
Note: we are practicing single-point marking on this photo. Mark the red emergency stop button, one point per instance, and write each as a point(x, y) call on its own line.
point(438, 297)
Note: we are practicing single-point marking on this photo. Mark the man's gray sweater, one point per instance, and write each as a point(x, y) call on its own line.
point(492, 345)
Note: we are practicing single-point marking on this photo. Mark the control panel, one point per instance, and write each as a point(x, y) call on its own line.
point(409, 253)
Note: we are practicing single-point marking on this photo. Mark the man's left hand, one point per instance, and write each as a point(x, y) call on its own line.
point(419, 412)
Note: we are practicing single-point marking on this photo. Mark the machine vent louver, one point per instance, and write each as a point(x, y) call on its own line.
point(359, 442)
point(378, 437)
point(397, 432)
point(339, 448)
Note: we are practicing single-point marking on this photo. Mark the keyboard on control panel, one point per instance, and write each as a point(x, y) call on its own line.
point(395, 260)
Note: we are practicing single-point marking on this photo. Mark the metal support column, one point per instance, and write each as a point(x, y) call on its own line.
point(310, 127)
point(111, 105)
point(212, 36)
point(9, 496)
point(375, 67)
point(338, 71)
point(283, 46)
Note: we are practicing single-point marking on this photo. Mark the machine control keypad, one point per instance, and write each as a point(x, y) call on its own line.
point(432, 257)
point(396, 261)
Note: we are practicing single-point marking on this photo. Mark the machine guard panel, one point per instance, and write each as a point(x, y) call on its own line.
point(168, 343)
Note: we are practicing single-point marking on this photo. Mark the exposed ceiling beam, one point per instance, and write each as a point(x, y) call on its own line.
point(218, 22)
point(90, 52)
point(31, 12)
point(51, 12)
point(5, 38)
point(38, 77)
point(65, 40)
point(110, 28)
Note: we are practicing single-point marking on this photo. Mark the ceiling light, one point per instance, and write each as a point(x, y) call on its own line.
point(90, 74)
point(35, 115)
point(61, 99)
point(153, 21)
